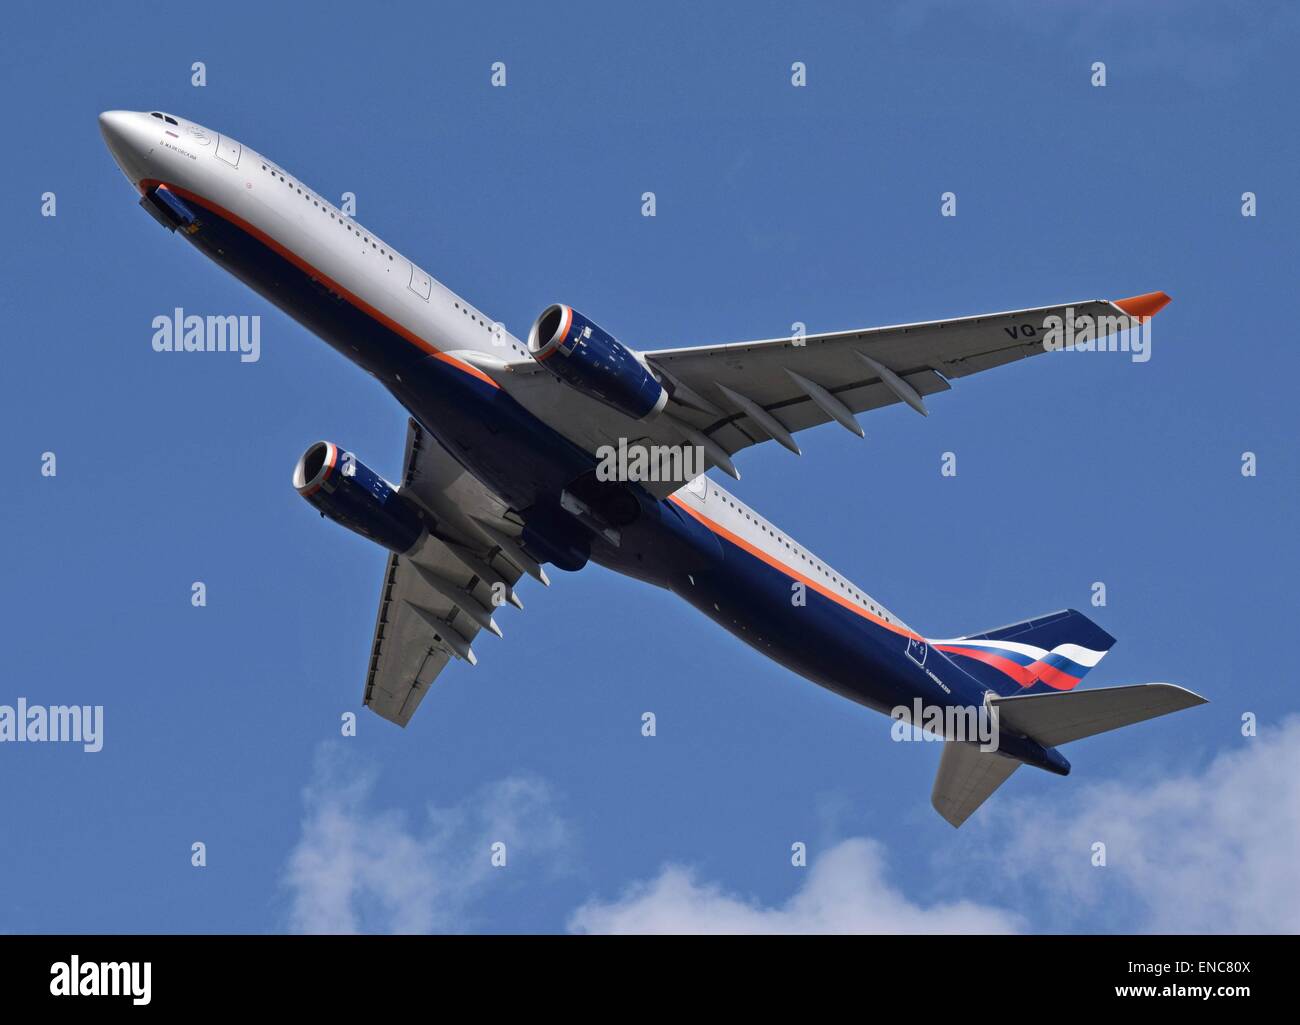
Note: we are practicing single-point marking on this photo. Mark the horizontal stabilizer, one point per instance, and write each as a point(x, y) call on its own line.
point(967, 778)
point(1053, 719)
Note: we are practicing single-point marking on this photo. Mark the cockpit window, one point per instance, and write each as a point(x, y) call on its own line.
point(164, 117)
point(154, 113)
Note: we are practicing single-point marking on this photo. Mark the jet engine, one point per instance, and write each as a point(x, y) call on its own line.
point(588, 358)
point(347, 491)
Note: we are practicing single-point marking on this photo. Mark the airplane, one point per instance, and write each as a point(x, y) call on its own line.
point(507, 440)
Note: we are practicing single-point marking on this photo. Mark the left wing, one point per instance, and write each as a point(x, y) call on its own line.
point(434, 601)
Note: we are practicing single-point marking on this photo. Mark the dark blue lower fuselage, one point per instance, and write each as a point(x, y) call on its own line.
point(528, 465)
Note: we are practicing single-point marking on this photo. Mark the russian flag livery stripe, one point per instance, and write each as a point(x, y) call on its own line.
point(1060, 668)
point(1055, 650)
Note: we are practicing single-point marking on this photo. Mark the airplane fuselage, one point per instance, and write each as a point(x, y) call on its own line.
point(427, 346)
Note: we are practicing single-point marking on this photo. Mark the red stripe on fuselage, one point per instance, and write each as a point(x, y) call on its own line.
point(352, 298)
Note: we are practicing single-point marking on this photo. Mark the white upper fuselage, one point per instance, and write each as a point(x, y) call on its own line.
point(151, 150)
point(305, 227)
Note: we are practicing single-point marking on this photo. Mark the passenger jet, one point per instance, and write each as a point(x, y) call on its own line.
point(506, 466)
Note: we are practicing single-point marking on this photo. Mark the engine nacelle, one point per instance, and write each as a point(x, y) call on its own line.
point(595, 362)
point(350, 493)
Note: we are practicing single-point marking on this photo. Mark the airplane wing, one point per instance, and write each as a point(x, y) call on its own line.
point(728, 397)
point(435, 600)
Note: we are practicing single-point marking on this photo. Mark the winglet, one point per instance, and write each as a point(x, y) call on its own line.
point(1143, 306)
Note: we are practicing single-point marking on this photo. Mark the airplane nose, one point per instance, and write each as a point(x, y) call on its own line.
point(113, 125)
point(127, 140)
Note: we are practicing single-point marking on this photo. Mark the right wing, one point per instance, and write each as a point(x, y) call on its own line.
point(436, 599)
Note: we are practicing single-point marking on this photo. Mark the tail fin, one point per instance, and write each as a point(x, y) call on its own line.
point(1037, 656)
point(968, 776)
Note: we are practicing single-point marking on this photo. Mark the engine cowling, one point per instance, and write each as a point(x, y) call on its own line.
point(593, 361)
point(347, 491)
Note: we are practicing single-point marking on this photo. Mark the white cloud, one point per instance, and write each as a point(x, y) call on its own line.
point(1215, 850)
point(846, 891)
point(358, 869)
point(1211, 851)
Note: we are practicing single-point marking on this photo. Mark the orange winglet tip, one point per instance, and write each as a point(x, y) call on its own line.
point(1143, 306)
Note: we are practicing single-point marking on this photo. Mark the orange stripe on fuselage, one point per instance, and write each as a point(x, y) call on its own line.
point(355, 300)
point(789, 571)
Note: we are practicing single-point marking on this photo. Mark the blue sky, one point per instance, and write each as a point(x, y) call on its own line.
point(774, 205)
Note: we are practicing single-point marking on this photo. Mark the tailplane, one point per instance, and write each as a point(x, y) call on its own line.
point(1053, 719)
point(968, 776)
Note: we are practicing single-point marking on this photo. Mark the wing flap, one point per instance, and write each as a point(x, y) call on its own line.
point(798, 412)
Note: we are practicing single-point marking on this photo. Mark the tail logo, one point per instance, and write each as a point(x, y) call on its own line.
point(1061, 668)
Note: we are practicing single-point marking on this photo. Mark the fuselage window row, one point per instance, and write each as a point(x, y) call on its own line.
point(795, 550)
point(324, 207)
point(340, 219)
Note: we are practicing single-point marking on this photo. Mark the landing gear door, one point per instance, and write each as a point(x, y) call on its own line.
point(420, 284)
point(917, 649)
point(228, 150)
